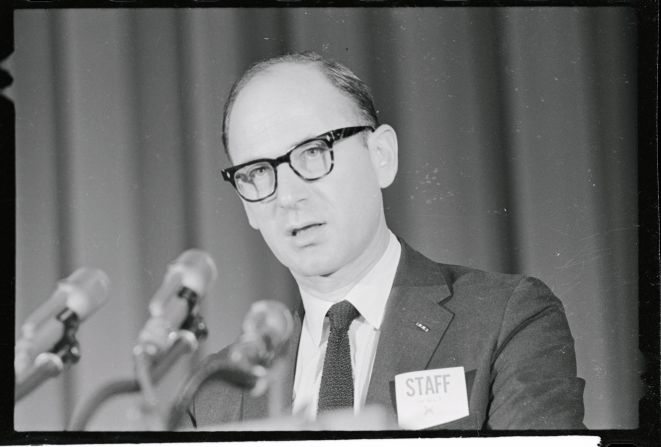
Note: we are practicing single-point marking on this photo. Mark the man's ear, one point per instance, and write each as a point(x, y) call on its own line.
point(382, 145)
point(250, 213)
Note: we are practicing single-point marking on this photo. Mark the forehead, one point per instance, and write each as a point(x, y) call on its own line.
point(283, 106)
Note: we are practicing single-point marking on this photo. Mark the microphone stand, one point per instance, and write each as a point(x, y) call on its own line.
point(218, 365)
point(187, 340)
point(254, 377)
point(253, 362)
point(276, 390)
point(51, 364)
point(45, 366)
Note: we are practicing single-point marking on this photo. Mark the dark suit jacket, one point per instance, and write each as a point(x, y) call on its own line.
point(509, 332)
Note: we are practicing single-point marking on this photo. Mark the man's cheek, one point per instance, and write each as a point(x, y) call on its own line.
point(253, 215)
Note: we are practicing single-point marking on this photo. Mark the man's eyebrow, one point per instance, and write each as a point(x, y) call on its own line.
point(289, 148)
point(304, 140)
point(301, 141)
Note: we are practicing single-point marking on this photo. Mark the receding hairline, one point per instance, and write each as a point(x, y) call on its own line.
point(275, 69)
point(317, 63)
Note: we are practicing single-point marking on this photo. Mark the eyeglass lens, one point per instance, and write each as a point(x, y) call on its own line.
point(310, 161)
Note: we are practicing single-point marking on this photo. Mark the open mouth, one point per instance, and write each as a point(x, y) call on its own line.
point(296, 231)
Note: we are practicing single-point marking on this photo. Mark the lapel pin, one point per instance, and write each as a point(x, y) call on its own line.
point(422, 327)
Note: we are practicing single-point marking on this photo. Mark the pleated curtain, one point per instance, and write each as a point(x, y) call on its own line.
point(517, 134)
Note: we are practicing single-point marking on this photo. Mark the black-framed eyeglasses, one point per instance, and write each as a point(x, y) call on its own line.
point(311, 160)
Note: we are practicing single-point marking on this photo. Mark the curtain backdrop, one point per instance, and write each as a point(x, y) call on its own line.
point(517, 131)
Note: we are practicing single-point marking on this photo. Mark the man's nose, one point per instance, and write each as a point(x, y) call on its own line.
point(291, 188)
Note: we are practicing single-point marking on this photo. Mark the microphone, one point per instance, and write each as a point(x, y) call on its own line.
point(175, 305)
point(188, 278)
point(173, 329)
point(266, 330)
point(48, 339)
point(74, 300)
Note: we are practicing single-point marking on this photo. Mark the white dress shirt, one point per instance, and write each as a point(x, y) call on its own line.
point(369, 297)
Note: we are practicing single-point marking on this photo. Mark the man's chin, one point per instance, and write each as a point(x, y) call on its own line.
point(319, 272)
point(314, 268)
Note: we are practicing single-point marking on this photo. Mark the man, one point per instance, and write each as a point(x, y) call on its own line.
point(309, 162)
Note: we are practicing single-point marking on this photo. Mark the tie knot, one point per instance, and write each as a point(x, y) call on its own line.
point(341, 315)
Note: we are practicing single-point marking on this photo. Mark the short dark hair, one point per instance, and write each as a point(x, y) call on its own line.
point(339, 76)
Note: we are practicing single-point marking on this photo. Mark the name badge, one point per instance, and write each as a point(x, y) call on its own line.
point(431, 397)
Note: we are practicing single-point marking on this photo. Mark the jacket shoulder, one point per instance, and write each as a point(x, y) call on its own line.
point(512, 331)
point(473, 289)
point(498, 301)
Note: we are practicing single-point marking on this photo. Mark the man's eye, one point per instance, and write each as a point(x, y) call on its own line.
point(313, 152)
point(258, 171)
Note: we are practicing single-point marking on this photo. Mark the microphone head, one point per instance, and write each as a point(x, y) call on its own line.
point(271, 322)
point(266, 331)
point(196, 270)
point(86, 290)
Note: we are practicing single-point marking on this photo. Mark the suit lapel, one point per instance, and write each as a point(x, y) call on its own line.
point(413, 325)
point(257, 408)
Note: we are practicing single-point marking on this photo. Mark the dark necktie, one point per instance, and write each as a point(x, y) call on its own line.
point(336, 390)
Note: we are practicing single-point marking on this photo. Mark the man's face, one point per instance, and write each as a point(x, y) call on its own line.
point(314, 228)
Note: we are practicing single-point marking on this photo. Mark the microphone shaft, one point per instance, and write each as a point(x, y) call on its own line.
point(47, 336)
point(47, 365)
point(185, 343)
point(216, 365)
point(84, 413)
point(276, 391)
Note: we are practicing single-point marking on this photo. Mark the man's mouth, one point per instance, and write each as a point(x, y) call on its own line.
point(300, 230)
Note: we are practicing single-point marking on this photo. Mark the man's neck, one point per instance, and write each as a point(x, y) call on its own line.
point(334, 287)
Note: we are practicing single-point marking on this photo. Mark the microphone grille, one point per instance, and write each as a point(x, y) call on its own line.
point(87, 290)
point(271, 321)
point(197, 269)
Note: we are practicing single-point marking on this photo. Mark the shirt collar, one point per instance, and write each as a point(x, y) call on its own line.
point(369, 295)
